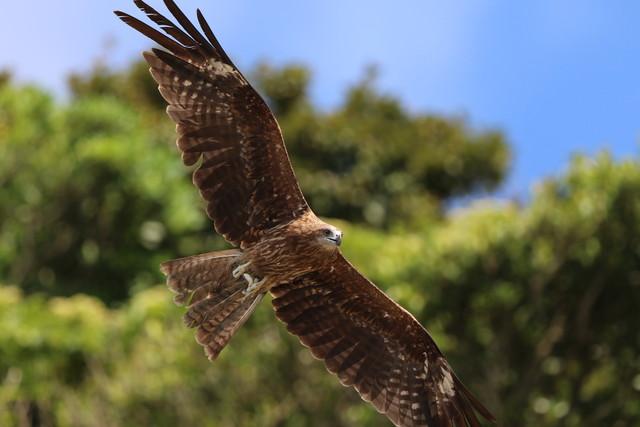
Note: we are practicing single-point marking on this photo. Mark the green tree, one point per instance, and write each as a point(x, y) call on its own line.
point(91, 197)
point(548, 294)
point(535, 307)
point(101, 194)
point(370, 160)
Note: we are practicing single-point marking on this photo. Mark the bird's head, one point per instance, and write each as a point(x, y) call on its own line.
point(328, 236)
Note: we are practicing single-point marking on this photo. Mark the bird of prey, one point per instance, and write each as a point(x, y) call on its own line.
point(252, 196)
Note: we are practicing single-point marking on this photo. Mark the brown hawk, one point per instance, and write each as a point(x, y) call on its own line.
point(253, 198)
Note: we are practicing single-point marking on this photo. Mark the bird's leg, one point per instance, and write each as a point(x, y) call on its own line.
point(255, 284)
point(252, 282)
point(240, 270)
point(248, 278)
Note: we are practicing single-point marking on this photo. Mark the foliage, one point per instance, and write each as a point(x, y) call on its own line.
point(552, 292)
point(535, 306)
point(100, 192)
point(370, 160)
point(91, 199)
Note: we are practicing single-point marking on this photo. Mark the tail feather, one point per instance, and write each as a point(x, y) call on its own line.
point(181, 265)
point(217, 305)
point(216, 339)
point(193, 278)
point(214, 306)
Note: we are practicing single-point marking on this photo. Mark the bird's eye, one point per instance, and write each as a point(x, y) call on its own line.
point(327, 232)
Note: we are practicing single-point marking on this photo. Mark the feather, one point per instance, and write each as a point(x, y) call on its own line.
point(153, 34)
point(185, 23)
point(246, 180)
point(373, 344)
point(245, 176)
point(168, 26)
point(212, 38)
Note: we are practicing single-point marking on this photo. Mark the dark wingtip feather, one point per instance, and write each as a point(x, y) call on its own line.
point(185, 23)
point(475, 403)
point(152, 33)
point(166, 25)
point(211, 37)
point(171, 60)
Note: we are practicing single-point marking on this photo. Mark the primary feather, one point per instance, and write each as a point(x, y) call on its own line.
point(253, 198)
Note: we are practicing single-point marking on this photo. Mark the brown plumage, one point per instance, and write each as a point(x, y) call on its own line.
point(253, 198)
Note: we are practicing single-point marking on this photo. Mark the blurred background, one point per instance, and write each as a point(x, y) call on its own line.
point(482, 158)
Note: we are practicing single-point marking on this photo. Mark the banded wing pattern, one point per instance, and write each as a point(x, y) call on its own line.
point(244, 174)
point(374, 345)
point(215, 301)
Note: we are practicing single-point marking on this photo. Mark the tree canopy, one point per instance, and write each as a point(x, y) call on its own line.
point(535, 306)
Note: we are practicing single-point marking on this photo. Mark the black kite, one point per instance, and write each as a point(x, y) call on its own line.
point(253, 198)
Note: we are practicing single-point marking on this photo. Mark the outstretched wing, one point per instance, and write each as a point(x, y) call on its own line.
point(245, 175)
point(374, 345)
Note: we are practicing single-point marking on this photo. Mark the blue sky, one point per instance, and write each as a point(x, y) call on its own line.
point(558, 77)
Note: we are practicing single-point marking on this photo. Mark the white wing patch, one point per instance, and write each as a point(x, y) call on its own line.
point(220, 68)
point(446, 385)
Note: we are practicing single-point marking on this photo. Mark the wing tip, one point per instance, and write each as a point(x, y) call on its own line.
point(149, 55)
point(122, 15)
point(165, 268)
point(474, 401)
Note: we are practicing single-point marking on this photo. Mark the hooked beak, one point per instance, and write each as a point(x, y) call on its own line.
point(337, 239)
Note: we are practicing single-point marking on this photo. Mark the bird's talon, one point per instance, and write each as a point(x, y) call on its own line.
point(253, 285)
point(239, 270)
point(248, 278)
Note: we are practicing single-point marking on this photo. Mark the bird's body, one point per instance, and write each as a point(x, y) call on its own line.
point(291, 250)
point(252, 196)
